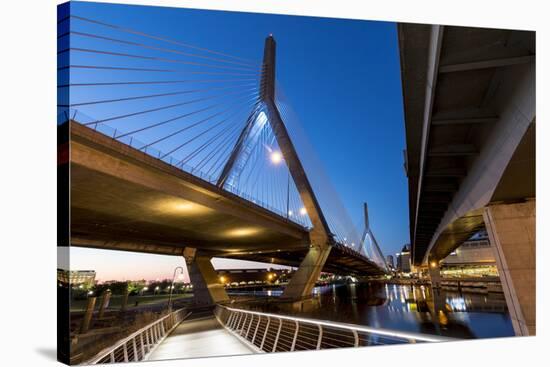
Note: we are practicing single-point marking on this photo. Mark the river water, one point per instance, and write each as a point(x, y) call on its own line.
point(403, 307)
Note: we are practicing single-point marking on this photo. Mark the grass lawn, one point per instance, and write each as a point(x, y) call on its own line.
point(116, 301)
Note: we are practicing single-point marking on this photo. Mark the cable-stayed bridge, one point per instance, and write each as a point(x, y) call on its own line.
point(180, 149)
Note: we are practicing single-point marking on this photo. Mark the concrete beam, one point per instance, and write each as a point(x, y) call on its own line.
point(486, 64)
point(440, 187)
point(457, 150)
point(446, 172)
point(434, 51)
point(464, 121)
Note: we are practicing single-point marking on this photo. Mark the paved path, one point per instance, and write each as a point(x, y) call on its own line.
point(203, 337)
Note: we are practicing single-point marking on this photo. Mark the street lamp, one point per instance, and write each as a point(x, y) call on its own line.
point(172, 287)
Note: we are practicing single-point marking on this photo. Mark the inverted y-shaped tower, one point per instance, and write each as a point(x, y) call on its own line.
point(321, 238)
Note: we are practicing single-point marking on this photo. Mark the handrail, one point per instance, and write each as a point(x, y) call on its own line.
point(141, 343)
point(269, 332)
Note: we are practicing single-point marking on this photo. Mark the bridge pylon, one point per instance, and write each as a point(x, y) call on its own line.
point(320, 236)
point(207, 288)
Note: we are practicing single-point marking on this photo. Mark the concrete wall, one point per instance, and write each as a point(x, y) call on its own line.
point(512, 232)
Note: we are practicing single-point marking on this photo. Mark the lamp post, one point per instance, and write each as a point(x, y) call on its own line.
point(172, 287)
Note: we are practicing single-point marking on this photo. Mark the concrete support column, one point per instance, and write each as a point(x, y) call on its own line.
point(124, 304)
point(303, 280)
point(105, 297)
point(435, 275)
point(511, 230)
point(88, 315)
point(207, 288)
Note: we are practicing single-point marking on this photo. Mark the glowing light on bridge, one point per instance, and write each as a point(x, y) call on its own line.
point(303, 211)
point(276, 157)
point(243, 232)
point(179, 206)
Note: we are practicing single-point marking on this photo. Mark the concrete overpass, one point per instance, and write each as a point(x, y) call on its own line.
point(469, 99)
point(124, 199)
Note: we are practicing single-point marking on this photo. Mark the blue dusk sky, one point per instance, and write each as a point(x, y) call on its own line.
point(342, 78)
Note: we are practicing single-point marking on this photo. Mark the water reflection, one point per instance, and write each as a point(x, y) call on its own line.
point(408, 308)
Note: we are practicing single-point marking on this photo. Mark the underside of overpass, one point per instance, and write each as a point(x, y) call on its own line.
point(470, 119)
point(124, 199)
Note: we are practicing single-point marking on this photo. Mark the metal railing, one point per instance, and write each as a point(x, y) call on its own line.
point(140, 344)
point(267, 332)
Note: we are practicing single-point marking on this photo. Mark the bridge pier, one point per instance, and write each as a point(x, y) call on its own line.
point(207, 288)
point(301, 284)
point(511, 230)
point(435, 274)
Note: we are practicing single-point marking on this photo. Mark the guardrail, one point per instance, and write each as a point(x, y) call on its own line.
point(139, 345)
point(267, 332)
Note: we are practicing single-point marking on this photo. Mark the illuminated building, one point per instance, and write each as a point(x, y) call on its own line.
point(389, 261)
point(76, 277)
point(474, 258)
point(403, 260)
point(251, 276)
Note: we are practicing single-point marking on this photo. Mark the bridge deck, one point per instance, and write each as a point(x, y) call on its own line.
point(203, 337)
point(123, 199)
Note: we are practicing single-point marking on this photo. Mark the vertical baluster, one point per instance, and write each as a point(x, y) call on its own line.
point(142, 346)
point(356, 336)
point(265, 333)
point(257, 327)
point(320, 337)
point(148, 339)
point(277, 336)
point(249, 326)
point(241, 327)
point(135, 349)
point(230, 320)
point(238, 321)
point(112, 355)
point(295, 336)
point(125, 350)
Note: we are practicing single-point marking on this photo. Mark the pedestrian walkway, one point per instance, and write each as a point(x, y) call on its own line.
point(203, 337)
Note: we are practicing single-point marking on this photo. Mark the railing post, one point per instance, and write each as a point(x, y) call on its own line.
point(295, 336)
point(249, 326)
point(112, 356)
point(135, 350)
point(241, 326)
point(356, 336)
point(125, 350)
point(142, 346)
point(230, 319)
point(320, 336)
point(265, 333)
point(277, 336)
point(257, 327)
